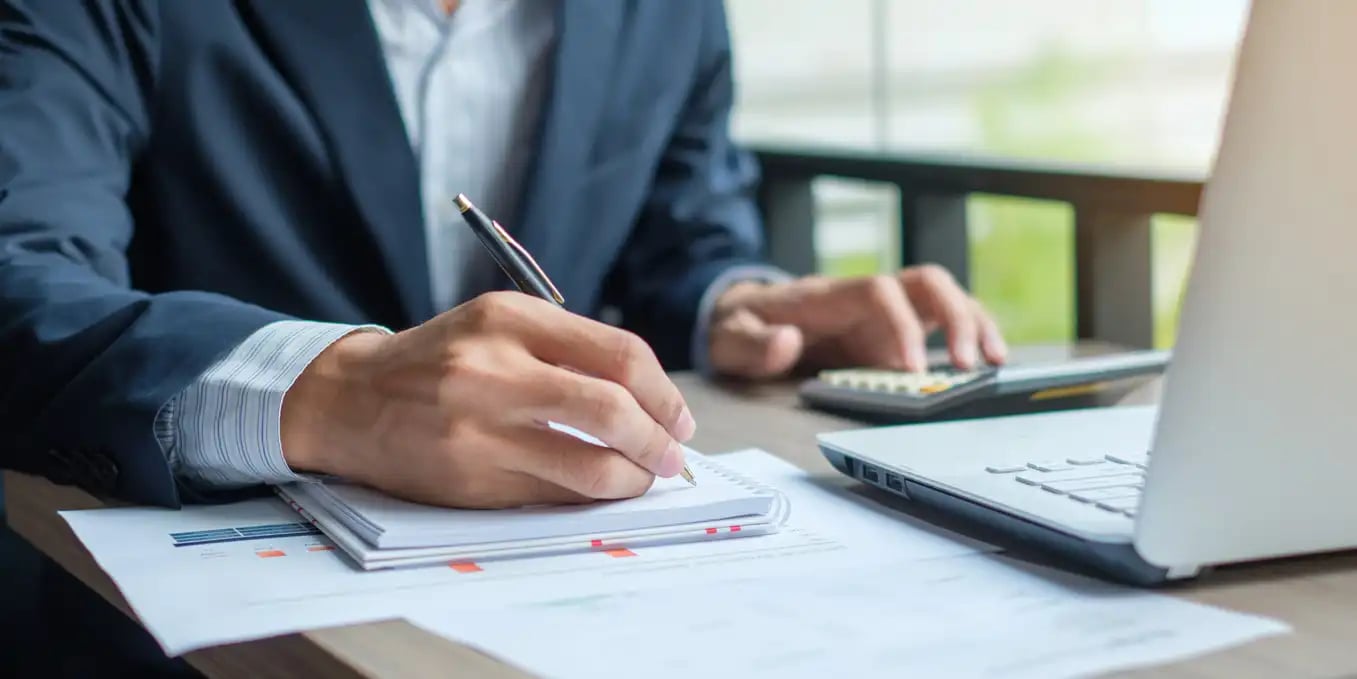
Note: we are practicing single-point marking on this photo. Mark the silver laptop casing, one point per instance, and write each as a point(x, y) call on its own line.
point(1255, 446)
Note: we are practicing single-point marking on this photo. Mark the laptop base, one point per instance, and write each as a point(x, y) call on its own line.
point(1117, 561)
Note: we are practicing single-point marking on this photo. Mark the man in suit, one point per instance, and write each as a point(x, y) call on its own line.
point(229, 255)
point(211, 205)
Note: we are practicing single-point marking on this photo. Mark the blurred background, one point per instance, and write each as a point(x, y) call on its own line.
point(1138, 85)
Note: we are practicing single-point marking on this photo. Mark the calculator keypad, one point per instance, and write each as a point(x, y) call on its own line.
point(897, 382)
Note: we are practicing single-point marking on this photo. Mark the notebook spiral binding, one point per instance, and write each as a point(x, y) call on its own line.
point(781, 508)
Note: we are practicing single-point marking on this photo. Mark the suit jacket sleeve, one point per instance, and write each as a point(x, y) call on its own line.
point(700, 219)
point(86, 361)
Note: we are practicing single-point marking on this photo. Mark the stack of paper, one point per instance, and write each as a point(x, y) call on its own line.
point(846, 587)
point(379, 531)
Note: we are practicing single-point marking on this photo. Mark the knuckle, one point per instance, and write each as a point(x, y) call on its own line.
point(673, 407)
point(477, 310)
point(629, 353)
point(489, 309)
point(882, 290)
point(500, 300)
point(653, 449)
point(935, 275)
point(607, 409)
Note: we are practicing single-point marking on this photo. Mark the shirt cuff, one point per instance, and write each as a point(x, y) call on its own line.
point(736, 274)
point(224, 430)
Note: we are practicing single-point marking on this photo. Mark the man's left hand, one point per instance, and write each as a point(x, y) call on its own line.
point(761, 331)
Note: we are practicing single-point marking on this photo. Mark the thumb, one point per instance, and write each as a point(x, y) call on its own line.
point(742, 345)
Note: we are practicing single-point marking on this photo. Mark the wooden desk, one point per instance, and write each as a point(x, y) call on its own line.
point(1317, 596)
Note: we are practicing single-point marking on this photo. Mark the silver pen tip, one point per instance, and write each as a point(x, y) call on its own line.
point(462, 202)
point(688, 476)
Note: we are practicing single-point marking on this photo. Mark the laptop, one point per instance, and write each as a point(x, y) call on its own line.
point(1252, 452)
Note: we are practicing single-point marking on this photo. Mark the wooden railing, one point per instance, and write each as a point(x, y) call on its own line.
point(1112, 208)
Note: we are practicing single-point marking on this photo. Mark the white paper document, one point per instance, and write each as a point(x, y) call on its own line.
point(976, 616)
point(203, 576)
point(847, 587)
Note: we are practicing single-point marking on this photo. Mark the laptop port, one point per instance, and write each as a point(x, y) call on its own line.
point(894, 483)
point(870, 475)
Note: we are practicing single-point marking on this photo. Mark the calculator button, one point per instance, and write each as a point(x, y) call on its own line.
point(934, 388)
point(1005, 469)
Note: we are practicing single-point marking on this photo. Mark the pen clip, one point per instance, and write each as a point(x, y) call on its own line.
point(541, 275)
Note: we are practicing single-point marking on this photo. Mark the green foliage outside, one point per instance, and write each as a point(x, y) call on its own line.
point(1022, 251)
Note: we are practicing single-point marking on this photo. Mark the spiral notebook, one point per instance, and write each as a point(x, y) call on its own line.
point(379, 531)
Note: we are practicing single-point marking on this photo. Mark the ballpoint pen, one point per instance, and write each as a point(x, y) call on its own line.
point(518, 265)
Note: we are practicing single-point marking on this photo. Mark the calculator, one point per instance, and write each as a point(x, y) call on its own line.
point(943, 392)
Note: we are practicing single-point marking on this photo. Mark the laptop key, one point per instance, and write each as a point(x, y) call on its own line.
point(1081, 461)
point(1034, 477)
point(1093, 495)
point(1137, 460)
point(1071, 485)
point(1005, 468)
point(1050, 466)
point(1119, 505)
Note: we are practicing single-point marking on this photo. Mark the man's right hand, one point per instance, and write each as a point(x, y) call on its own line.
point(454, 412)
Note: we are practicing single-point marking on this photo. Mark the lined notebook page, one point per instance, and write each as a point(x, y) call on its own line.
point(387, 522)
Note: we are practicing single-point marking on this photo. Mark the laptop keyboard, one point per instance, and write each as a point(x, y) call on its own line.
point(1111, 483)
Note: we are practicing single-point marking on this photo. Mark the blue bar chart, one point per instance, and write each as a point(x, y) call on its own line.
point(239, 533)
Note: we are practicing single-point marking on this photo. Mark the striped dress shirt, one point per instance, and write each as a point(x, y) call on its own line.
point(469, 84)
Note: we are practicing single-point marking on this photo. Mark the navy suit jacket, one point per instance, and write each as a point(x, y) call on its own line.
point(175, 175)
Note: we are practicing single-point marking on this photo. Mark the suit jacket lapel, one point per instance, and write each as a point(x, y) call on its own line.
point(587, 33)
point(329, 52)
